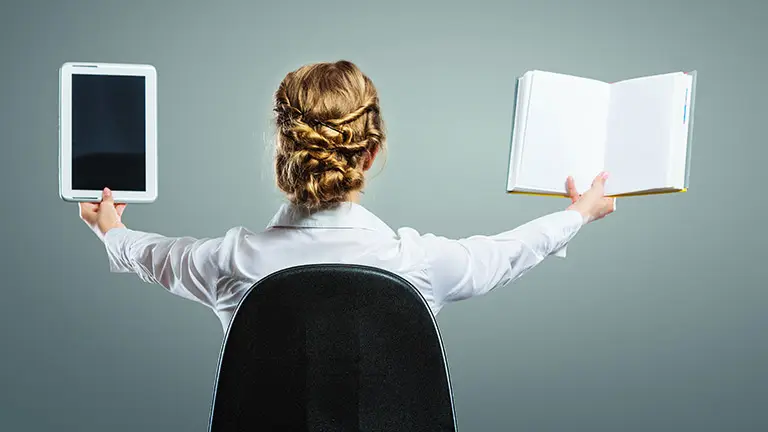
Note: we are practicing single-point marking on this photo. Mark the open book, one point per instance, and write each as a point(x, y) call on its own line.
point(639, 130)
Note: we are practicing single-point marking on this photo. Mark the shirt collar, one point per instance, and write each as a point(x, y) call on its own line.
point(347, 215)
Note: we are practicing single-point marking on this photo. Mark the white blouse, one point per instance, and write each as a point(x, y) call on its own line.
point(218, 272)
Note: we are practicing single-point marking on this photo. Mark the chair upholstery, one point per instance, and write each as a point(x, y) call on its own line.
point(333, 347)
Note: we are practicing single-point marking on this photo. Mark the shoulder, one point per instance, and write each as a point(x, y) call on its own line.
point(426, 241)
point(429, 247)
point(238, 239)
point(245, 233)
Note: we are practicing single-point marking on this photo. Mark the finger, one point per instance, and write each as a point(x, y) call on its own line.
point(88, 212)
point(88, 206)
point(572, 192)
point(599, 181)
point(120, 208)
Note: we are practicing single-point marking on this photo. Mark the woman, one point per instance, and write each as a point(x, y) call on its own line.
point(330, 130)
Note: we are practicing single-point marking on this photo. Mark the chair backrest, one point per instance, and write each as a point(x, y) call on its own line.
point(333, 347)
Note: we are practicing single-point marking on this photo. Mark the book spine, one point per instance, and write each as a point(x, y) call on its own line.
point(689, 113)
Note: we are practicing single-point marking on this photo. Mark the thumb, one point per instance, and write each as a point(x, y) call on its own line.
point(106, 199)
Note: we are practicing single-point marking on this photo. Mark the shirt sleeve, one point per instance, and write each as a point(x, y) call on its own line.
point(185, 266)
point(473, 266)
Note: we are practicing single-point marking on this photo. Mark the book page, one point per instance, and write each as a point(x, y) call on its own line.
point(518, 126)
point(641, 129)
point(565, 132)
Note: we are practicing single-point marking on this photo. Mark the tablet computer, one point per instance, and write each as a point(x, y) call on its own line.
point(108, 132)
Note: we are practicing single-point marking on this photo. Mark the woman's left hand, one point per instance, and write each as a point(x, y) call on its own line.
point(102, 216)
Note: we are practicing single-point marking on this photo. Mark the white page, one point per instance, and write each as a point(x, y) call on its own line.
point(565, 132)
point(640, 133)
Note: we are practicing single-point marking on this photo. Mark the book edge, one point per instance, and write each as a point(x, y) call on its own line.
point(511, 154)
point(625, 195)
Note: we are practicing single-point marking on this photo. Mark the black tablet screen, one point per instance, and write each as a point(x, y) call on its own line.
point(108, 132)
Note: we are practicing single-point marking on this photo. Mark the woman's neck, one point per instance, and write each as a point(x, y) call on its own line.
point(354, 197)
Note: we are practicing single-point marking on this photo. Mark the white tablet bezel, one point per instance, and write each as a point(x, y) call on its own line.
point(65, 131)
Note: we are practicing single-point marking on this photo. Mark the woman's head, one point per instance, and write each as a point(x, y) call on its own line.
point(329, 129)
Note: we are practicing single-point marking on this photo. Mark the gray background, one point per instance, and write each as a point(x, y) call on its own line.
point(656, 320)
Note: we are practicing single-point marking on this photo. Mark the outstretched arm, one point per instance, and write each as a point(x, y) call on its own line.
point(476, 265)
point(185, 266)
point(473, 266)
point(188, 267)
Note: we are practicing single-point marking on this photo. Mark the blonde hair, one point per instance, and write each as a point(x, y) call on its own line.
point(329, 127)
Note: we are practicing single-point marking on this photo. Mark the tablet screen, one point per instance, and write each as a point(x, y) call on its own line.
point(109, 132)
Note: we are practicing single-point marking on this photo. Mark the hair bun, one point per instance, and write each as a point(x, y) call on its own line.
point(328, 122)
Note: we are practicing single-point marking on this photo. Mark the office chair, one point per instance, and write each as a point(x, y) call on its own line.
point(333, 347)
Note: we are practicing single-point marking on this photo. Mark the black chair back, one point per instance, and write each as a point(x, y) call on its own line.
point(333, 347)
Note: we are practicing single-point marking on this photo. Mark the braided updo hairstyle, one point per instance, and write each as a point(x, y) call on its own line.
point(329, 128)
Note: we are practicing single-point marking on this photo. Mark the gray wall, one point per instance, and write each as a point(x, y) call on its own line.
point(655, 321)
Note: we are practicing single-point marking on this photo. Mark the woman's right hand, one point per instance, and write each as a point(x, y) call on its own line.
point(593, 204)
point(104, 215)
